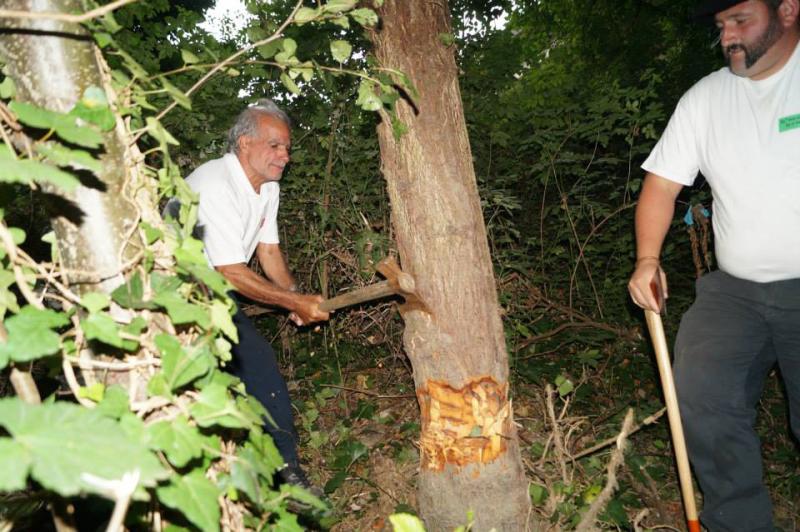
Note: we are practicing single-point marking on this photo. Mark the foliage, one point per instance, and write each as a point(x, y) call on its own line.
point(178, 423)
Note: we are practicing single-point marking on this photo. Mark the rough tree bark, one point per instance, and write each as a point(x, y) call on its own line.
point(470, 457)
point(53, 62)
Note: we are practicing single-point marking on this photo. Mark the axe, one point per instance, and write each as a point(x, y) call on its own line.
point(656, 327)
point(397, 283)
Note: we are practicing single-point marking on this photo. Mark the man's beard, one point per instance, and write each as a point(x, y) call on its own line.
point(754, 52)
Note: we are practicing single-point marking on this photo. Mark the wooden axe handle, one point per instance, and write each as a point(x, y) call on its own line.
point(360, 295)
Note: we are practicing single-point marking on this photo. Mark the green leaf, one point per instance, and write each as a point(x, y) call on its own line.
point(195, 497)
point(180, 366)
point(290, 85)
point(181, 311)
point(342, 21)
point(338, 6)
point(27, 171)
point(63, 156)
point(209, 277)
point(289, 46)
point(64, 441)
point(268, 51)
point(131, 294)
point(406, 523)
point(100, 326)
point(158, 132)
point(341, 50)
point(305, 15)
point(95, 301)
point(365, 17)
point(7, 88)
point(65, 125)
point(256, 462)
point(367, 99)
point(179, 441)
point(191, 252)
point(114, 403)
point(214, 406)
point(178, 95)
point(93, 107)
point(94, 392)
point(189, 57)
point(222, 319)
point(31, 335)
point(15, 462)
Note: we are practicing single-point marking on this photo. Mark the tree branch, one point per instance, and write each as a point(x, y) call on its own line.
point(66, 17)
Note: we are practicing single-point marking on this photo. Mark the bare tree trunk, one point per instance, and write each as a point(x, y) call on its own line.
point(470, 457)
point(53, 62)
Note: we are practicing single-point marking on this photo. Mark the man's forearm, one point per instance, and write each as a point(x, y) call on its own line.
point(253, 286)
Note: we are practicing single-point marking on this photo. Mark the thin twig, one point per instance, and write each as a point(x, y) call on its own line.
point(617, 459)
point(66, 17)
point(647, 421)
point(367, 392)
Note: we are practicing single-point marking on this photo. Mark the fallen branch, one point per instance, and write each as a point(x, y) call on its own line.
point(617, 459)
point(647, 421)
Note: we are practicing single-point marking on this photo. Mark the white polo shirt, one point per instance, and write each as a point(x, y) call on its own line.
point(744, 136)
point(233, 218)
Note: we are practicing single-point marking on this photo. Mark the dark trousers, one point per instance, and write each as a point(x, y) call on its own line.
point(255, 364)
point(728, 341)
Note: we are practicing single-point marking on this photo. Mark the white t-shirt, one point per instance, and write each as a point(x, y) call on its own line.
point(744, 136)
point(232, 217)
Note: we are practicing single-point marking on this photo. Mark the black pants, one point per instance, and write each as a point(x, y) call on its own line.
point(255, 364)
point(729, 339)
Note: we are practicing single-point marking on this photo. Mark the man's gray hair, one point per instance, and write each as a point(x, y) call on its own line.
point(246, 123)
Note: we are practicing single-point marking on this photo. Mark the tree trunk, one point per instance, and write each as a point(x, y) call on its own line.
point(470, 459)
point(53, 62)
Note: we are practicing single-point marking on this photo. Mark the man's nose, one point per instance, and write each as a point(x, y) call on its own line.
point(728, 35)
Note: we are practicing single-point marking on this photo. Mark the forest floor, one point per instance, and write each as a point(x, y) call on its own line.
point(359, 437)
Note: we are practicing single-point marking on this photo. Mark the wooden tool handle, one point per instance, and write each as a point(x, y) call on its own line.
point(360, 295)
point(656, 327)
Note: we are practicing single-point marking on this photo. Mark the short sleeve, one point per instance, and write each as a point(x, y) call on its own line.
point(675, 156)
point(220, 228)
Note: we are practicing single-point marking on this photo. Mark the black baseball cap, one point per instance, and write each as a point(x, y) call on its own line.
point(706, 10)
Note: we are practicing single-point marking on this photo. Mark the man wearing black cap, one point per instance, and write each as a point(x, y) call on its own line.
point(740, 127)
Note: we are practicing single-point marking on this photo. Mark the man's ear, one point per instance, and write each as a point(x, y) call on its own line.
point(789, 11)
point(244, 142)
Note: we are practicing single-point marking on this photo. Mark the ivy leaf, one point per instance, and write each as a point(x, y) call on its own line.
point(290, 85)
point(222, 320)
point(341, 50)
point(131, 294)
point(179, 441)
point(95, 301)
point(158, 132)
point(303, 16)
point(15, 462)
point(178, 95)
point(189, 57)
point(268, 51)
point(100, 326)
point(342, 21)
point(365, 17)
point(214, 406)
point(195, 497)
point(95, 392)
point(406, 523)
point(211, 278)
point(7, 88)
point(191, 252)
point(114, 403)
point(289, 46)
point(367, 99)
point(64, 125)
point(28, 171)
point(64, 441)
point(180, 311)
point(31, 335)
point(63, 156)
point(93, 107)
point(179, 366)
point(337, 6)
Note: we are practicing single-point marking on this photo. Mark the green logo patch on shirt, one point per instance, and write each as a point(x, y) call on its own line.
point(789, 122)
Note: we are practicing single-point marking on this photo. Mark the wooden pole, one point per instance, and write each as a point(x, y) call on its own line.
point(656, 328)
